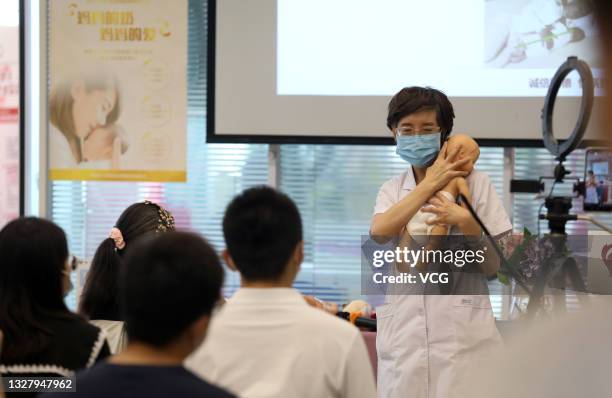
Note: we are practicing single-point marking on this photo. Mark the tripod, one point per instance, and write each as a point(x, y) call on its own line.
point(560, 265)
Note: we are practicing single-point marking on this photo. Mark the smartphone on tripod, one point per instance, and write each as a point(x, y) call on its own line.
point(598, 179)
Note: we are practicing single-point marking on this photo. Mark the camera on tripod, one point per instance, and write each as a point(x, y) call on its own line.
point(596, 187)
point(560, 265)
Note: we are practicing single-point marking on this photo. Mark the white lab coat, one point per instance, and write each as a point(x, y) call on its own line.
point(426, 343)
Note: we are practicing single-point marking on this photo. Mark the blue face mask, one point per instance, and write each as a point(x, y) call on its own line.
point(418, 150)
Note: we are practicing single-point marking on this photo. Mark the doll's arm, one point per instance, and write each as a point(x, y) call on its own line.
point(462, 188)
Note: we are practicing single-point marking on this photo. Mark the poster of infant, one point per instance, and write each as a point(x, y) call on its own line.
point(117, 103)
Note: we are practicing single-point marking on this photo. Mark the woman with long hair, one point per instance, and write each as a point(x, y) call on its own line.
point(1, 385)
point(78, 108)
point(41, 336)
point(99, 301)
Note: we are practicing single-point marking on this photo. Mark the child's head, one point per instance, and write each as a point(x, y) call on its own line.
point(468, 149)
point(99, 144)
point(168, 288)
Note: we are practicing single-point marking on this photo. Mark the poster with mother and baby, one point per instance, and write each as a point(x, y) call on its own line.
point(118, 90)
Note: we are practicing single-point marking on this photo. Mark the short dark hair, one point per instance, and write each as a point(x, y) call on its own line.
point(33, 256)
point(262, 227)
point(410, 100)
point(167, 283)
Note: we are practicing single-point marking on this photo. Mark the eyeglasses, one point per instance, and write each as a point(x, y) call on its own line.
point(412, 131)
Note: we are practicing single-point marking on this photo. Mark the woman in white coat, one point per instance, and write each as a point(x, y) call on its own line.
point(426, 343)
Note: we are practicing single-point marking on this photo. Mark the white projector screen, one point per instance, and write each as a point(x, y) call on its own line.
point(325, 70)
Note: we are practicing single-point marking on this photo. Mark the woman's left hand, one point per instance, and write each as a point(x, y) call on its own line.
point(447, 212)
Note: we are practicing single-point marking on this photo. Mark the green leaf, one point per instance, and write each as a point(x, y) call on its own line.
point(503, 278)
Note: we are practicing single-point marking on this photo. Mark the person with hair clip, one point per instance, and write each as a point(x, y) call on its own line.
point(427, 340)
point(42, 338)
point(99, 301)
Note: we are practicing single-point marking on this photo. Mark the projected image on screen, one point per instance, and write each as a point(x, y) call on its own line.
point(325, 70)
point(538, 33)
point(496, 48)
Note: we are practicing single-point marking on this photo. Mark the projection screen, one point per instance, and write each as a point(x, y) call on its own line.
point(325, 70)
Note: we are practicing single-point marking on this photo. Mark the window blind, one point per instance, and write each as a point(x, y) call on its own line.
point(87, 210)
point(334, 186)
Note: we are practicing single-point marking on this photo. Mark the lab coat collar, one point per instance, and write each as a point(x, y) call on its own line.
point(409, 181)
point(280, 295)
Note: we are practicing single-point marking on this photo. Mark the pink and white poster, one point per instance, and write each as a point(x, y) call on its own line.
point(118, 90)
point(9, 123)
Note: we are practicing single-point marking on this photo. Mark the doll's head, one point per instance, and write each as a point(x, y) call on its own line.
point(468, 148)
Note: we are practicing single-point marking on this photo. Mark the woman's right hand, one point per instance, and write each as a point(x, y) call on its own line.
point(394, 219)
point(444, 169)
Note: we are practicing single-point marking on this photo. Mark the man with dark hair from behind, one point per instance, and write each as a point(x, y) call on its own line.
point(168, 288)
point(267, 341)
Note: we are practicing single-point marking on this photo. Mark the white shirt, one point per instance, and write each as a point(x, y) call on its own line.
point(61, 156)
point(427, 343)
point(116, 336)
point(271, 343)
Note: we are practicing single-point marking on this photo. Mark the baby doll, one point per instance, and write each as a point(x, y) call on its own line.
point(468, 148)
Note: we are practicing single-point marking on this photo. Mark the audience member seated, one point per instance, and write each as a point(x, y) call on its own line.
point(1, 389)
point(99, 301)
point(42, 338)
point(168, 287)
point(266, 341)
